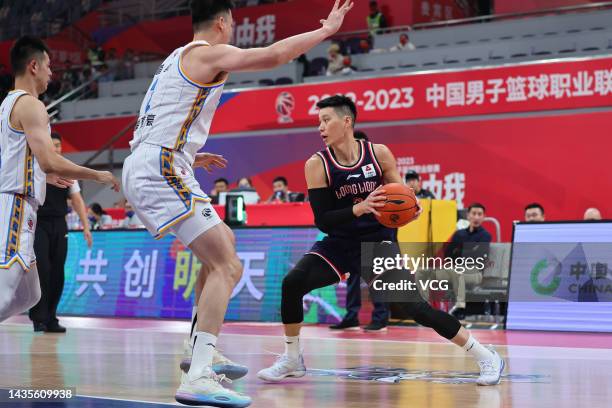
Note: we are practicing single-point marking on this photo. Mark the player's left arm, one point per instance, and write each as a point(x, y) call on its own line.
point(387, 163)
point(79, 206)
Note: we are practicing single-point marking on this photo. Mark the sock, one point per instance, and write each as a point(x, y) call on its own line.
point(194, 323)
point(203, 347)
point(477, 350)
point(292, 347)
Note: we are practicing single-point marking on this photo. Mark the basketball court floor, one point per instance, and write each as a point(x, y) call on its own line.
point(127, 363)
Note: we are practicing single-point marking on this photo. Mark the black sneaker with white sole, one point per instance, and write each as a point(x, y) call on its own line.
point(346, 325)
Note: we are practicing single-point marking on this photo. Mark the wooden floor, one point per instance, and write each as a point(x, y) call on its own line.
point(137, 360)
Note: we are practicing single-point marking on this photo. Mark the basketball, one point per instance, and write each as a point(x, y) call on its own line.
point(400, 207)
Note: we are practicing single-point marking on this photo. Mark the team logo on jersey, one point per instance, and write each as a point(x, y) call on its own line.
point(285, 103)
point(207, 212)
point(350, 176)
point(368, 170)
point(30, 224)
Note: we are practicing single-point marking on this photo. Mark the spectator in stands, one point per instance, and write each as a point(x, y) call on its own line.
point(125, 69)
point(281, 193)
point(91, 91)
point(98, 218)
point(534, 212)
point(376, 20)
point(221, 186)
point(245, 184)
point(413, 180)
point(335, 60)
point(592, 214)
point(347, 66)
point(364, 46)
point(404, 44)
point(106, 75)
point(131, 220)
point(93, 56)
point(111, 59)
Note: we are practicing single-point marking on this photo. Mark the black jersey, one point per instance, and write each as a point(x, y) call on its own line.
point(351, 185)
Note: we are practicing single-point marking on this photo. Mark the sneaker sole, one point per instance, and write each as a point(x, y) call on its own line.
point(345, 328)
point(384, 329)
point(294, 374)
point(193, 399)
point(501, 370)
point(231, 372)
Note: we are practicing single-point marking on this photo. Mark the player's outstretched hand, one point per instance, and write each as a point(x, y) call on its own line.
point(106, 177)
point(208, 161)
point(334, 21)
point(376, 199)
point(58, 181)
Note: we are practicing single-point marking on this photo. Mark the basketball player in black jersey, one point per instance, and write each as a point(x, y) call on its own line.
point(346, 186)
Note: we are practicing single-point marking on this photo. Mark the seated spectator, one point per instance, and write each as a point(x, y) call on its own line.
point(125, 69)
point(280, 190)
point(106, 75)
point(471, 242)
point(534, 212)
point(592, 214)
point(245, 185)
point(413, 180)
point(221, 186)
point(376, 19)
point(364, 46)
point(131, 220)
point(98, 218)
point(347, 67)
point(111, 59)
point(335, 60)
point(404, 44)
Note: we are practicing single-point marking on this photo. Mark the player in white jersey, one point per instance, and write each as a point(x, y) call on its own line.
point(158, 177)
point(27, 162)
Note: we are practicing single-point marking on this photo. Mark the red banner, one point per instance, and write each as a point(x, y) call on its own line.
point(513, 6)
point(525, 88)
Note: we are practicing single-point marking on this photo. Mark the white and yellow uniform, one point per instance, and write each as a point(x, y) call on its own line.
point(173, 125)
point(22, 190)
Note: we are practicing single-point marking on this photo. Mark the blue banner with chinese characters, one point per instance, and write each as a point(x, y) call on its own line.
point(129, 274)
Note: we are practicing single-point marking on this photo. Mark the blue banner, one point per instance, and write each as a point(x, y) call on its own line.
point(129, 274)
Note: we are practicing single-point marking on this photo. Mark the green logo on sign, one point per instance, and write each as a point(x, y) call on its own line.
point(535, 283)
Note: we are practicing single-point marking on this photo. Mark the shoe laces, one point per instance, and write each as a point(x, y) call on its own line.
point(486, 367)
point(282, 361)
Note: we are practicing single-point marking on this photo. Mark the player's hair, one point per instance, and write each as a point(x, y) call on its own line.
point(56, 136)
point(221, 180)
point(96, 208)
point(343, 106)
point(534, 205)
point(24, 50)
point(281, 178)
point(360, 135)
point(203, 12)
point(477, 205)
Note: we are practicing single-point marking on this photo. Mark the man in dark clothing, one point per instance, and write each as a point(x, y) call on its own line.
point(50, 247)
point(471, 242)
point(413, 180)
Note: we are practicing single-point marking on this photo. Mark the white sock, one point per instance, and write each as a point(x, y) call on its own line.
point(203, 347)
point(292, 347)
point(477, 350)
point(194, 315)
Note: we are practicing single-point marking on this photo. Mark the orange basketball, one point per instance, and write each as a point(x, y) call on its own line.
point(400, 207)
